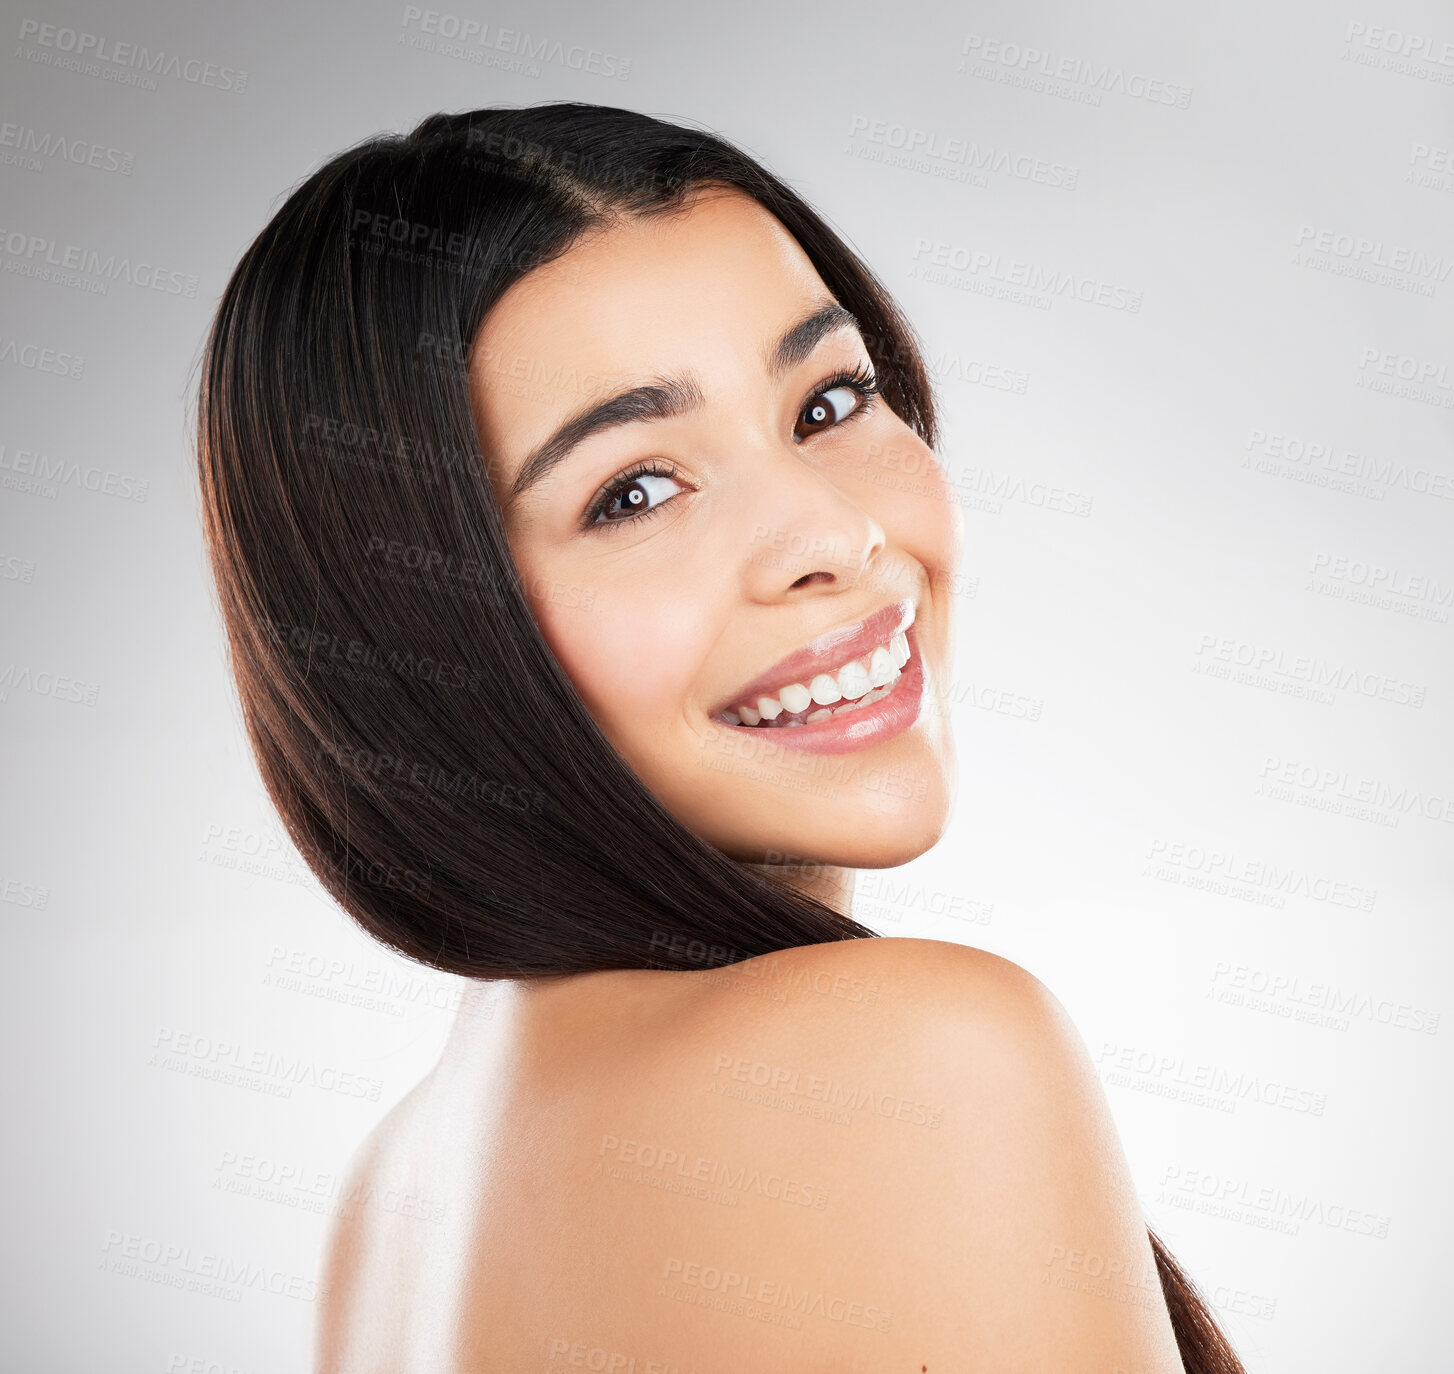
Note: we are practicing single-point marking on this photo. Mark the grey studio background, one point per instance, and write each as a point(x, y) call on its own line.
point(1185, 280)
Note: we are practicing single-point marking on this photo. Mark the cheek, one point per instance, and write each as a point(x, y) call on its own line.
point(909, 493)
point(633, 650)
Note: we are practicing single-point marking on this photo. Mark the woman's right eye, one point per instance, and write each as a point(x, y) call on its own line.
point(633, 495)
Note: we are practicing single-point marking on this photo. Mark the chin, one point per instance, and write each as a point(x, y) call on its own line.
point(871, 809)
point(869, 829)
point(887, 838)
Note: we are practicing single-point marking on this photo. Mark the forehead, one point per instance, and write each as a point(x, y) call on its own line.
point(704, 289)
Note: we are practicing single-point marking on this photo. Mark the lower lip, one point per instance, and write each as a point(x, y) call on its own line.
point(860, 729)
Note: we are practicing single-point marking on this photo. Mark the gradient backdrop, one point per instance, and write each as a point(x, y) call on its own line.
point(1185, 281)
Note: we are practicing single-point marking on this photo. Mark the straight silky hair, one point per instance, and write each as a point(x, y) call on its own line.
point(428, 755)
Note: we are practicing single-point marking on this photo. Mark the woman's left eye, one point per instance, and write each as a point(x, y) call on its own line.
point(636, 495)
point(830, 407)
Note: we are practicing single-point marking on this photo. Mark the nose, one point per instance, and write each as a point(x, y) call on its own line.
point(807, 536)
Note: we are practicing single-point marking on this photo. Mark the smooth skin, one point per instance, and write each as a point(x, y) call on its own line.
point(771, 532)
point(877, 1155)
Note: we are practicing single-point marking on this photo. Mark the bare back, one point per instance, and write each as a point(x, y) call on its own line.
point(759, 1167)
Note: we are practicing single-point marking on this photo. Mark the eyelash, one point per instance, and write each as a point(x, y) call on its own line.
point(860, 380)
point(649, 467)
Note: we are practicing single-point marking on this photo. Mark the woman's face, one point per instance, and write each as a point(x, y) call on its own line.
point(748, 539)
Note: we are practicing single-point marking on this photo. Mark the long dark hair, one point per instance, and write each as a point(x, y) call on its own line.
point(427, 753)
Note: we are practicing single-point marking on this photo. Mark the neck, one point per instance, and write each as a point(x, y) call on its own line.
point(827, 883)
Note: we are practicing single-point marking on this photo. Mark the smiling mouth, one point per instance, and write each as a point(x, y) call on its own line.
point(863, 679)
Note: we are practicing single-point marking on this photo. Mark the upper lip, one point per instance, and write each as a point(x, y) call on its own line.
point(827, 653)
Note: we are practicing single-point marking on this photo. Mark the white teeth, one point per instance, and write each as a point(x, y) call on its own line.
point(858, 683)
point(824, 690)
point(795, 697)
point(823, 712)
point(878, 694)
point(881, 667)
point(853, 679)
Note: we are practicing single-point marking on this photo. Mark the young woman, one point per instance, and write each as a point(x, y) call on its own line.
point(570, 491)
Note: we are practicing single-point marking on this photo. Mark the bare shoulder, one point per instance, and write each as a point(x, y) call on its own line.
point(939, 1098)
point(929, 1000)
point(349, 1333)
point(933, 964)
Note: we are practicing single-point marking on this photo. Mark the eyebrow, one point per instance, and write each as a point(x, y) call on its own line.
point(663, 398)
